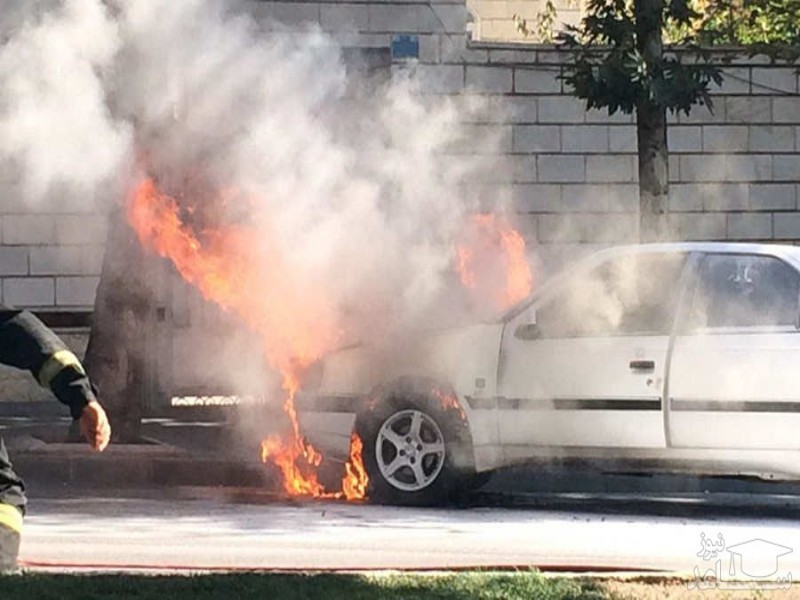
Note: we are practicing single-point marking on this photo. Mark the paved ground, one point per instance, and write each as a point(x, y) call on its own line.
point(102, 512)
point(194, 528)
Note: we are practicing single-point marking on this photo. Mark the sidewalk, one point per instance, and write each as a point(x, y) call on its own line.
point(172, 452)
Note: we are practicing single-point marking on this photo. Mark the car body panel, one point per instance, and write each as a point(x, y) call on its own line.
point(356, 373)
point(564, 406)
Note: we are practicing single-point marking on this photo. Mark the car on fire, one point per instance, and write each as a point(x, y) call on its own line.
point(681, 357)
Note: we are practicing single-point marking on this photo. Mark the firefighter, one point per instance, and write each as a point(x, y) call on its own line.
point(26, 343)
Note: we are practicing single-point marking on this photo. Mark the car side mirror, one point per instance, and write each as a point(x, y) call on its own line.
point(528, 329)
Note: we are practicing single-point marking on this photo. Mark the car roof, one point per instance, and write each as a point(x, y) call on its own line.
point(785, 251)
point(782, 250)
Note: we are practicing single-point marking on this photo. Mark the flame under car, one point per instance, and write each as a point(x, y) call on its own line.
point(673, 357)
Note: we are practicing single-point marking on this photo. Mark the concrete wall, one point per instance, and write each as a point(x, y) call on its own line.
point(493, 20)
point(571, 174)
point(734, 173)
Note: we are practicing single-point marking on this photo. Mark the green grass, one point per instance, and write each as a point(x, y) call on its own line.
point(461, 586)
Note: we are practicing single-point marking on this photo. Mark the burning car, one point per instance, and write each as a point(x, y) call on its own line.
point(679, 357)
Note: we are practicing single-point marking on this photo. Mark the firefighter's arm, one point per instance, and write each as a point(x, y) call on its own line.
point(26, 343)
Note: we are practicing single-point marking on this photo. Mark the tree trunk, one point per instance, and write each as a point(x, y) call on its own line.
point(651, 128)
point(115, 355)
point(651, 131)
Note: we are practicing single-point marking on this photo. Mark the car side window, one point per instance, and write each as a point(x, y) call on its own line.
point(629, 295)
point(740, 290)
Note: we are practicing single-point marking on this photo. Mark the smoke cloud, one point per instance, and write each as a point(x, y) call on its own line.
point(54, 121)
point(352, 179)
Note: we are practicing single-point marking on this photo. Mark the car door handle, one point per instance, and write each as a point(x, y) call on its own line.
point(642, 365)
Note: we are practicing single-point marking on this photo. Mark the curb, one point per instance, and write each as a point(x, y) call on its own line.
point(135, 465)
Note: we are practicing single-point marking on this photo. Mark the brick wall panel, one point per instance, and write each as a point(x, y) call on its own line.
point(772, 196)
point(622, 138)
point(537, 198)
point(786, 110)
point(786, 226)
point(771, 138)
point(726, 196)
point(57, 260)
point(725, 138)
point(685, 138)
point(81, 229)
point(619, 168)
point(29, 291)
point(699, 226)
point(29, 229)
point(453, 49)
point(735, 80)
point(13, 260)
point(585, 138)
point(686, 197)
point(536, 138)
point(556, 168)
point(752, 226)
point(448, 17)
point(702, 167)
point(344, 17)
point(747, 109)
point(489, 79)
point(441, 79)
point(558, 109)
point(786, 167)
point(76, 291)
point(524, 169)
point(769, 80)
point(748, 167)
point(536, 81)
point(585, 197)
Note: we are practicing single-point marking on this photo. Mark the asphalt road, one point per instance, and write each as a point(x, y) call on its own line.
point(200, 529)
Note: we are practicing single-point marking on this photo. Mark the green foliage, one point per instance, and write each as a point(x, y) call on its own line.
point(611, 71)
point(522, 25)
point(545, 23)
point(461, 586)
point(770, 27)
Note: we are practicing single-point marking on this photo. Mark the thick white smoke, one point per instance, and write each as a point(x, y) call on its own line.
point(55, 124)
point(354, 179)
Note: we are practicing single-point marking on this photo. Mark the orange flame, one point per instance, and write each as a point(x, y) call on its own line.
point(242, 271)
point(449, 402)
point(354, 483)
point(491, 261)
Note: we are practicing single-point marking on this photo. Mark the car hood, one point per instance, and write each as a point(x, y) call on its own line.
point(463, 358)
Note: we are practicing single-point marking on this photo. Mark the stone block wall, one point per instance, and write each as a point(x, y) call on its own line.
point(48, 258)
point(493, 20)
point(571, 174)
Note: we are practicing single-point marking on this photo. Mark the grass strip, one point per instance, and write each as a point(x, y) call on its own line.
point(528, 585)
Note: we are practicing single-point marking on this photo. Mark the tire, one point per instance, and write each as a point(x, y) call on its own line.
point(416, 451)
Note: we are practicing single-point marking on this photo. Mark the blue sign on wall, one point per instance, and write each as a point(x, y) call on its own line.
point(405, 47)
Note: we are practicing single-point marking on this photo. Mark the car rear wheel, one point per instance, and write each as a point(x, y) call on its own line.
point(411, 451)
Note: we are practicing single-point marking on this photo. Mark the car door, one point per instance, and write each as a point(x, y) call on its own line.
point(591, 371)
point(735, 372)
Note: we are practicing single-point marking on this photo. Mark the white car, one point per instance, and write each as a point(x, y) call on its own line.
point(680, 357)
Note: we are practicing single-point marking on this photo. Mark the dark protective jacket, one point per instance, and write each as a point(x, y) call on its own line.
point(26, 343)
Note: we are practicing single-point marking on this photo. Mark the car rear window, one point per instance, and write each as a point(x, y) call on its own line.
point(741, 290)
